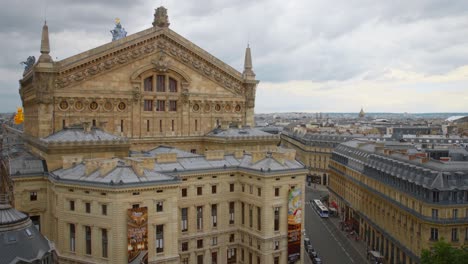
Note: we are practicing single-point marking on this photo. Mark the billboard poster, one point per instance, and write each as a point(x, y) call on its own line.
point(137, 235)
point(294, 225)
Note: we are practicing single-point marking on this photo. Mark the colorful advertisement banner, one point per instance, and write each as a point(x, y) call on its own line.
point(137, 235)
point(294, 225)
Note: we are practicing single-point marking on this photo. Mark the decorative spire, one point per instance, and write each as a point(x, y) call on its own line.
point(45, 46)
point(160, 17)
point(248, 72)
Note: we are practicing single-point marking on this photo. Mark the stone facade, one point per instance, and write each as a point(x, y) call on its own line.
point(96, 122)
point(397, 199)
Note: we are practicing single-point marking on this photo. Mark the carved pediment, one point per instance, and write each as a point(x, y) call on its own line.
point(165, 42)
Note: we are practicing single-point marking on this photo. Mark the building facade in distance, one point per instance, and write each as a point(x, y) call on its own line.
point(401, 198)
point(140, 150)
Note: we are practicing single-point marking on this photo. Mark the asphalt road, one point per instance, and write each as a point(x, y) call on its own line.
point(331, 244)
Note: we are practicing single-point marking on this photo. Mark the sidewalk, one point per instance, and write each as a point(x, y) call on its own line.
point(360, 246)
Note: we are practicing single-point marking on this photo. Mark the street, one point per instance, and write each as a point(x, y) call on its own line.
point(331, 244)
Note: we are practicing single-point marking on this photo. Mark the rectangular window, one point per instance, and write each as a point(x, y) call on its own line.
point(243, 187)
point(259, 218)
point(250, 215)
point(231, 255)
point(184, 192)
point(200, 259)
point(147, 125)
point(214, 257)
point(33, 196)
point(214, 241)
point(259, 191)
point(72, 237)
point(88, 240)
point(258, 260)
point(88, 208)
point(214, 215)
point(232, 238)
point(160, 105)
point(435, 196)
point(184, 246)
point(104, 242)
point(72, 205)
point(185, 261)
point(276, 260)
point(63, 123)
point(231, 187)
point(160, 126)
point(251, 189)
point(199, 217)
point(184, 221)
point(276, 219)
point(159, 238)
point(455, 213)
point(121, 126)
point(159, 206)
point(277, 245)
point(161, 83)
point(172, 105)
point(231, 213)
point(172, 85)
point(148, 105)
point(200, 243)
point(434, 234)
point(213, 189)
point(148, 84)
point(196, 125)
point(172, 125)
point(104, 209)
point(454, 234)
point(243, 213)
point(277, 192)
point(435, 214)
point(199, 190)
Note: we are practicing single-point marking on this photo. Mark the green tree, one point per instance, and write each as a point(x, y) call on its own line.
point(443, 253)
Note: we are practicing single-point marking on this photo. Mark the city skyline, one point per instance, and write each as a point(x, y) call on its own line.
point(310, 57)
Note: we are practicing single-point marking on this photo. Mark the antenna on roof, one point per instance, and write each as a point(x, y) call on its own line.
point(45, 11)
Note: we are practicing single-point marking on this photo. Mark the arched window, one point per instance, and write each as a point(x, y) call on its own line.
point(148, 84)
point(161, 83)
point(172, 85)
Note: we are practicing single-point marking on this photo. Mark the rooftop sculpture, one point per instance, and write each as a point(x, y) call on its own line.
point(118, 32)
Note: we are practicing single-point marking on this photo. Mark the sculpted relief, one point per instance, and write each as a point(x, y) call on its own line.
point(162, 44)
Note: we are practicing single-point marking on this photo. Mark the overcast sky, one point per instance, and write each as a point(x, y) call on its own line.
point(310, 55)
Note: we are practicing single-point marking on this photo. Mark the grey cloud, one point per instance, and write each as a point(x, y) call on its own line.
point(291, 40)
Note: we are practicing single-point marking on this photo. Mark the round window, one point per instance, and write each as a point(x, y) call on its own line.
point(196, 107)
point(79, 105)
point(217, 107)
point(122, 106)
point(108, 106)
point(63, 105)
point(93, 105)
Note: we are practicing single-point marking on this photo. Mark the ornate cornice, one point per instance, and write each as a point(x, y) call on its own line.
point(163, 40)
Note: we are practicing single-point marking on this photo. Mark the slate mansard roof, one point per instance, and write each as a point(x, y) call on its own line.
point(405, 162)
point(131, 171)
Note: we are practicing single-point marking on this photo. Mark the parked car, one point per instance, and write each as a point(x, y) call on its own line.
point(316, 261)
point(312, 253)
